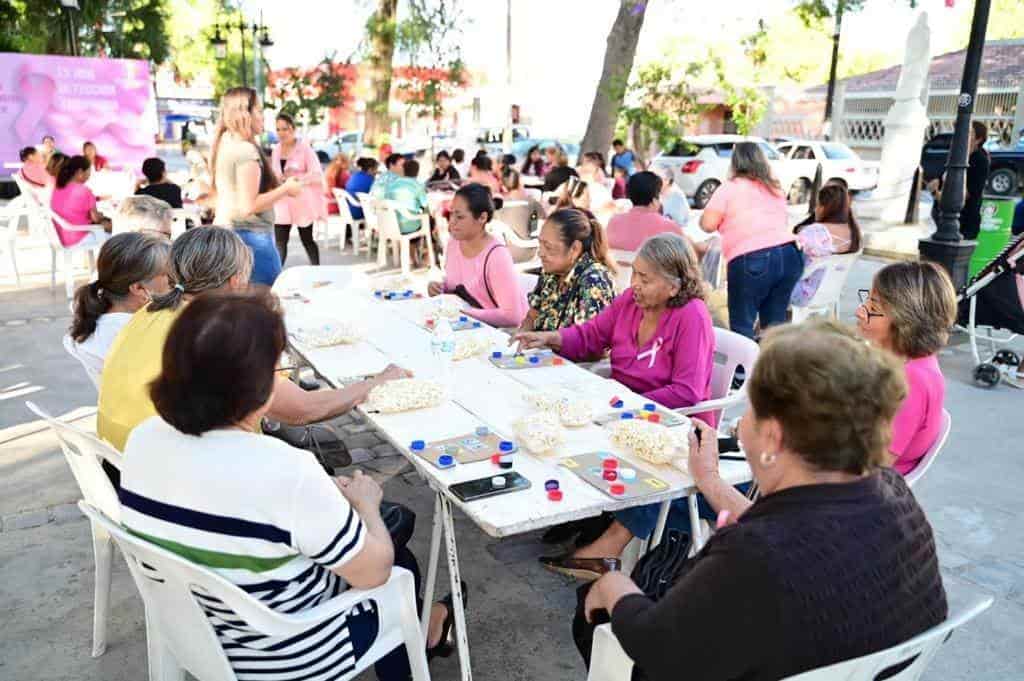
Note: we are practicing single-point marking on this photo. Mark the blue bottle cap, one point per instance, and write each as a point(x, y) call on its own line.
point(650, 406)
point(626, 415)
point(378, 293)
point(496, 355)
point(551, 484)
point(476, 325)
point(483, 431)
point(617, 404)
point(534, 359)
point(463, 318)
point(418, 445)
point(506, 446)
point(407, 293)
point(445, 460)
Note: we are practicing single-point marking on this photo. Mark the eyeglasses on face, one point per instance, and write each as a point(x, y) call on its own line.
point(865, 302)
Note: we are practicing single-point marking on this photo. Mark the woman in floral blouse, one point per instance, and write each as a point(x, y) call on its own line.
point(576, 282)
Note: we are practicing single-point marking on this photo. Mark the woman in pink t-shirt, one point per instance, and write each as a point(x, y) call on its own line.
point(909, 311)
point(75, 202)
point(478, 268)
point(763, 262)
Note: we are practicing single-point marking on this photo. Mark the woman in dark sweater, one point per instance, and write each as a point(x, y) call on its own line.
point(834, 561)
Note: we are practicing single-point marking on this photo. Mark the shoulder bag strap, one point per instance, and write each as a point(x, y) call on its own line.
point(487, 283)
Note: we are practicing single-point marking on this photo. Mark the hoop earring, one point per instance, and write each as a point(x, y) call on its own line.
point(768, 459)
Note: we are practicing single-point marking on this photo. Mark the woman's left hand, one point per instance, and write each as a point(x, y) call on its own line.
point(606, 592)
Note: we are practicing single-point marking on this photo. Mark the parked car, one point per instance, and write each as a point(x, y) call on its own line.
point(839, 163)
point(348, 143)
point(1005, 174)
point(700, 164)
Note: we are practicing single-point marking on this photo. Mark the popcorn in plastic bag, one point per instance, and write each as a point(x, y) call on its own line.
point(406, 394)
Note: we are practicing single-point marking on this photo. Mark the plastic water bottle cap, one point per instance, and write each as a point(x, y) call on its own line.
point(463, 318)
point(482, 431)
point(446, 460)
point(650, 406)
point(506, 446)
point(417, 445)
point(627, 474)
point(551, 484)
point(498, 481)
point(495, 355)
point(626, 415)
point(535, 360)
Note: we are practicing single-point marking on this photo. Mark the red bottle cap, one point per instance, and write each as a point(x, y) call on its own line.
point(612, 401)
point(617, 488)
point(610, 464)
point(496, 459)
point(654, 418)
point(557, 361)
point(555, 494)
point(610, 475)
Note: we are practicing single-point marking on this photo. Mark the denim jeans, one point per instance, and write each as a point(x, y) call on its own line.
point(760, 284)
point(266, 261)
point(641, 520)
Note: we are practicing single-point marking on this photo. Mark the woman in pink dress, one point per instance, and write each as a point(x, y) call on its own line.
point(292, 157)
point(909, 311)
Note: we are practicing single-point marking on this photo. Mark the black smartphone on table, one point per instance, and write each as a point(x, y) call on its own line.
point(490, 486)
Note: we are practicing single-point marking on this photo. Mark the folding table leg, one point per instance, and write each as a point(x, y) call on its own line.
point(695, 526)
point(460, 608)
point(435, 555)
point(659, 527)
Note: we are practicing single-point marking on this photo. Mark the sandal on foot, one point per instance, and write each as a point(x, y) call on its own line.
point(580, 568)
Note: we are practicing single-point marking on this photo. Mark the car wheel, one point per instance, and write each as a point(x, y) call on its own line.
point(704, 192)
point(324, 158)
point(799, 192)
point(986, 375)
point(1003, 182)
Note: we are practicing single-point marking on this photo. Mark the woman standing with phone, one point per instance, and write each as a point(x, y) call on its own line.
point(293, 157)
point(245, 186)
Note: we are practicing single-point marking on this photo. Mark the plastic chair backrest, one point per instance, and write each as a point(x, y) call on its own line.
point(369, 206)
point(516, 217)
point(933, 452)
point(83, 453)
point(903, 662)
point(837, 269)
point(345, 203)
point(731, 350)
point(179, 221)
point(624, 263)
point(387, 220)
point(72, 349)
point(31, 194)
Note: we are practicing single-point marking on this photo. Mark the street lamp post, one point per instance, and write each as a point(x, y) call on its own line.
point(946, 246)
point(260, 39)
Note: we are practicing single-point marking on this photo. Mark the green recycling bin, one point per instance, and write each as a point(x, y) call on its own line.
point(996, 220)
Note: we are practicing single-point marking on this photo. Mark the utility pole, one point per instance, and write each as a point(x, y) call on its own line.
point(946, 246)
point(832, 70)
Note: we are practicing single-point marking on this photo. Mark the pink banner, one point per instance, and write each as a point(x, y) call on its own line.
point(77, 99)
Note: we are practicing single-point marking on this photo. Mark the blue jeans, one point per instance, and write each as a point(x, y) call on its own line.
point(641, 520)
point(266, 261)
point(760, 284)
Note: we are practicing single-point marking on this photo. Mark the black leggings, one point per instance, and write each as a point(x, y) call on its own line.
point(284, 232)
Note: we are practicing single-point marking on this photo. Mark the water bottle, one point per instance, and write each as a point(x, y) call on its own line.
point(442, 345)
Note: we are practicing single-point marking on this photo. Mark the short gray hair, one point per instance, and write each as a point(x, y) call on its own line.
point(672, 257)
point(203, 259)
point(145, 214)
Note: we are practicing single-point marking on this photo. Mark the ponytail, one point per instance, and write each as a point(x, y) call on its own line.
point(89, 305)
point(575, 225)
point(70, 168)
point(599, 246)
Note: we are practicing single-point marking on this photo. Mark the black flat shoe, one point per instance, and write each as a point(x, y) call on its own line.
point(446, 645)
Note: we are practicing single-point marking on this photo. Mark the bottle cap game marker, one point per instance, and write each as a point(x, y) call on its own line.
point(534, 359)
point(498, 481)
point(617, 488)
point(506, 446)
point(627, 474)
point(446, 460)
point(496, 459)
point(615, 401)
point(650, 406)
point(654, 418)
point(610, 475)
point(496, 355)
point(557, 361)
point(626, 415)
point(610, 464)
point(417, 445)
point(555, 494)
point(551, 484)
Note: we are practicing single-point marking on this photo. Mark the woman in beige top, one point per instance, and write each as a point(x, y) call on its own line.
point(244, 183)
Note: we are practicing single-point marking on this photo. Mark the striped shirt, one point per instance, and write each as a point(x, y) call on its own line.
point(264, 516)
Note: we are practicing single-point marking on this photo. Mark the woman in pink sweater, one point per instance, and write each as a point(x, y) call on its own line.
point(662, 346)
point(478, 268)
point(909, 311)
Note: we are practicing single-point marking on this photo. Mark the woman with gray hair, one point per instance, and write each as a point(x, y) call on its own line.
point(662, 345)
point(763, 262)
point(144, 214)
point(203, 259)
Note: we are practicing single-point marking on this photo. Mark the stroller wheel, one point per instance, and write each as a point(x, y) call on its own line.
point(986, 375)
point(1007, 357)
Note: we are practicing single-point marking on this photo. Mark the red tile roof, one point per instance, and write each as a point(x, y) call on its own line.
point(1002, 66)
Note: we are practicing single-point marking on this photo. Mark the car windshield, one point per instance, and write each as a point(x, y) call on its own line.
point(837, 152)
point(683, 148)
point(769, 151)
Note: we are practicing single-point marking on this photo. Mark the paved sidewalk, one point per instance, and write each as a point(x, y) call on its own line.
point(518, 614)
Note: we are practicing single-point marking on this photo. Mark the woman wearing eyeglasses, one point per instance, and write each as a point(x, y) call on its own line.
point(909, 311)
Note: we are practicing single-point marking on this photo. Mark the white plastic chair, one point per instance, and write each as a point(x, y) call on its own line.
point(731, 350)
point(30, 201)
point(371, 224)
point(9, 220)
point(180, 638)
point(345, 202)
point(826, 298)
point(71, 348)
point(928, 459)
point(609, 662)
point(624, 265)
point(83, 453)
point(90, 245)
point(387, 216)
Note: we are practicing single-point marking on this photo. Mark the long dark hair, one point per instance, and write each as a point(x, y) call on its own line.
point(575, 225)
point(70, 168)
point(834, 200)
point(478, 198)
point(124, 259)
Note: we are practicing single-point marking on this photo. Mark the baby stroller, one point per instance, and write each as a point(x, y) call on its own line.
point(990, 300)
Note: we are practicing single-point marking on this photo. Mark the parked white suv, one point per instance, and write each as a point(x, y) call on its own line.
point(700, 163)
point(838, 163)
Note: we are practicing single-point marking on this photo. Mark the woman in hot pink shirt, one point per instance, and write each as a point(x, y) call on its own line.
point(478, 268)
point(909, 311)
point(627, 231)
point(763, 262)
point(662, 346)
point(292, 157)
point(75, 202)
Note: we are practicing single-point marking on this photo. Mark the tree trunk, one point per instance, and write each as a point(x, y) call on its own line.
point(381, 29)
point(618, 62)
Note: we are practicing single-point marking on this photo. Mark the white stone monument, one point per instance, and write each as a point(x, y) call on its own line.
point(905, 126)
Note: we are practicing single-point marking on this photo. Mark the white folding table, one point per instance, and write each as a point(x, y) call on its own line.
point(481, 394)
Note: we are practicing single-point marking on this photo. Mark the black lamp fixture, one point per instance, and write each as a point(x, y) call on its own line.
point(220, 43)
